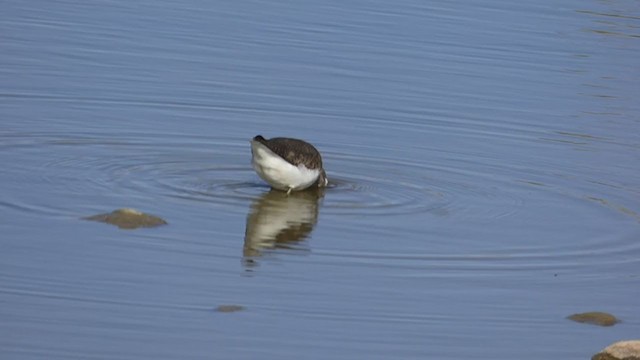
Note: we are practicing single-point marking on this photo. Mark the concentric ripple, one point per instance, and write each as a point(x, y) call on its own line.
point(384, 186)
point(218, 171)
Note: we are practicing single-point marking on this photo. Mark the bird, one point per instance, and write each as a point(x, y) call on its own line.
point(288, 164)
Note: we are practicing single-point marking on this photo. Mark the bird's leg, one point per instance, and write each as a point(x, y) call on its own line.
point(289, 191)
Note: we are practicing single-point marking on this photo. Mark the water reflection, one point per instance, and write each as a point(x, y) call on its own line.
point(277, 220)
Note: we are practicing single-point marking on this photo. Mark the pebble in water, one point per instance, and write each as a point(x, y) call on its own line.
point(128, 219)
point(229, 308)
point(595, 318)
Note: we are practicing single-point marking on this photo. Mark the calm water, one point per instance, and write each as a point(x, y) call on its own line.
point(483, 157)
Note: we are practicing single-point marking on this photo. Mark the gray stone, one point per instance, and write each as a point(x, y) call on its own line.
point(622, 350)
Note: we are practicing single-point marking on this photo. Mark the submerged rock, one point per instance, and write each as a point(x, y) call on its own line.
point(128, 219)
point(622, 350)
point(595, 318)
point(229, 308)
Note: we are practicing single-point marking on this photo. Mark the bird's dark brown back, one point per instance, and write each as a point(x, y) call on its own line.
point(294, 151)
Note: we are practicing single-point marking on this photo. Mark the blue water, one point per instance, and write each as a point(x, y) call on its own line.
point(483, 164)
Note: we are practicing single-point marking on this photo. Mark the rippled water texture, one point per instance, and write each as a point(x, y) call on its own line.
point(482, 161)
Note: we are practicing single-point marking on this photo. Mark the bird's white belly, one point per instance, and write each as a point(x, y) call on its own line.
point(278, 172)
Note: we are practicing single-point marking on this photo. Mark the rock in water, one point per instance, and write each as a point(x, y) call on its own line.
point(594, 318)
point(229, 308)
point(622, 350)
point(128, 219)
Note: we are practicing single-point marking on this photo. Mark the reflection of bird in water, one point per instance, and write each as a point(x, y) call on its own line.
point(278, 219)
point(287, 164)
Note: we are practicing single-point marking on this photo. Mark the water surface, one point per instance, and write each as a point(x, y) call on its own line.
point(482, 157)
